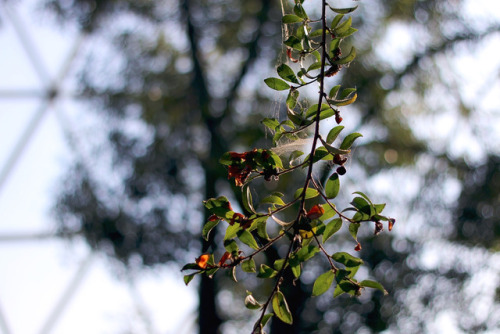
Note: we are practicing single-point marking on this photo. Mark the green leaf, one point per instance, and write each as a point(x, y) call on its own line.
point(294, 117)
point(363, 206)
point(190, 266)
point(314, 66)
point(208, 227)
point(326, 113)
point(231, 231)
point(347, 59)
point(188, 278)
point(346, 92)
point(307, 252)
point(316, 54)
point(219, 206)
point(344, 26)
point(290, 18)
point(374, 285)
point(231, 246)
point(278, 264)
point(265, 319)
point(261, 229)
point(295, 266)
point(272, 199)
point(276, 159)
point(332, 186)
point(312, 110)
point(277, 84)
point(343, 10)
point(347, 259)
point(248, 266)
point(346, 102)
point(333, 134)
point(379, 208)
point(286, 72)
point(332, 149)
point(251, 303)
point(299, 11)
point(248, 239)
point(291, 100)
point(332, 228)
point(353, 229)
point(336, 20)
point(310, 193)
point(349, 140)
point(323, 283)
point(266, 272)
point(271, 123)
point(334, 91)
point(345, 287)
point(281, 309)
point(294, 43)
point(334, 45)
point(347, 32)
point(329, 212)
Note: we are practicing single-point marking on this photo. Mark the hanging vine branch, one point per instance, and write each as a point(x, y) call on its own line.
point(317, 43)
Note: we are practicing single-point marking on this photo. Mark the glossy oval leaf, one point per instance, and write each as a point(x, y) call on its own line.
point(286, 72)
point(276, 84)
point(336, 20)
point(332, 228)
point(208, 227)
point(231, 231)
point(332, 186)
point(266, 272)
point(290, 18)
point(231, 246)
point(373, 285)
point(347, 259)
point(291, 100)
point(323, 283)
point(248, 266)
point(310, 193)
point(299, 11)
point(188, 278)
point(248, 239)
point(272, 199)
point(333, 134)
point(281, 309)
point(307, 252)
point(349, 140)
point(343, 10)
point(334, 91)
point(344, 26)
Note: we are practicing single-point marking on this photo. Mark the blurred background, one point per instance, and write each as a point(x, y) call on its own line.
point(113, 114)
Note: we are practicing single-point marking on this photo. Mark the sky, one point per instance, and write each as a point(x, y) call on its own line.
point(36, 273)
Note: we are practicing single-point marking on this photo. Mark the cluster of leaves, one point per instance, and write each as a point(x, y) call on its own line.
point(314, 46)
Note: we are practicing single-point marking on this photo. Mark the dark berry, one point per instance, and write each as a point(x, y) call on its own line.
point(341, 170)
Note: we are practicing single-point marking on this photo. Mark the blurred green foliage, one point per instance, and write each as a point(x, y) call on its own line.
point(188, 75)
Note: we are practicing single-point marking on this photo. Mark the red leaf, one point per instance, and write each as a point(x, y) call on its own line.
point(315, 212)
point(202, 261)
point(224, 258)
